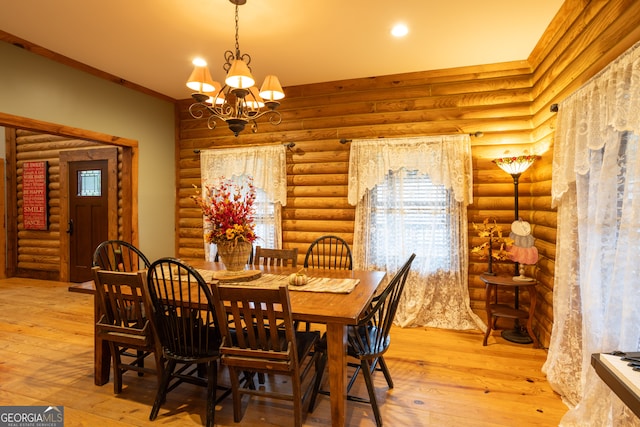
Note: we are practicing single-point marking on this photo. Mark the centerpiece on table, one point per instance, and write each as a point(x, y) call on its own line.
point(229, 220)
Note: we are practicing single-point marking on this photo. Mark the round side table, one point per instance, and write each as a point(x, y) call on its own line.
point(496, 310)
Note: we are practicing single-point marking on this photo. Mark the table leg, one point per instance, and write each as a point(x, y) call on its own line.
point(337, 361)
point(487, 291)
point(101, 353)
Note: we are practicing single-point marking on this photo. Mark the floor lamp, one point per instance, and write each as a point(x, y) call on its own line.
point(515, 166)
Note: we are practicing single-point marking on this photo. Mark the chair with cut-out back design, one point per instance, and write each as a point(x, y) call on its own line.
point(186, 322)
point(268, 344)
point(124, 323)
point(329, 251)
point(118, 255)
point(277, 257)
point(369, 340)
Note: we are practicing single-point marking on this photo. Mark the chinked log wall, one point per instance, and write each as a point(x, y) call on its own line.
point(39, 251)
point(508, 102)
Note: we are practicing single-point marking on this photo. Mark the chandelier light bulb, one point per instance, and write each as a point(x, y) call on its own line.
point(239, 76)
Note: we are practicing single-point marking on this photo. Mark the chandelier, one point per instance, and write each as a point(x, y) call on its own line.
point(238, 102)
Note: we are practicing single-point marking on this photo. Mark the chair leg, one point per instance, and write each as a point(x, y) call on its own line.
point(162, 389)
point(366, 371)
point(385, 371)
point(212, 385)
point(321, 363)
point(356, 371)
point(159, 365)
point(235, 392)
point(297, 401)
point(140, 357)
point(116, 361)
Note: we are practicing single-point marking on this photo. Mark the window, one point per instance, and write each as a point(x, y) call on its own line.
point(265, 220)
point(89, 183)
point(267, 166)
point(408, 209)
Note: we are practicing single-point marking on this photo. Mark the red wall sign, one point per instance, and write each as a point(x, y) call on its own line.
point(34, 195)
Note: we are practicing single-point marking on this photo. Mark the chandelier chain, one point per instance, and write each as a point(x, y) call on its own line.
point(237, 31)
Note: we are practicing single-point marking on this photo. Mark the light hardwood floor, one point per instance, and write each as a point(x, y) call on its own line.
point(442, 378)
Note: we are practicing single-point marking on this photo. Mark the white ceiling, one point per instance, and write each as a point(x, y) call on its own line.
point(152, 42)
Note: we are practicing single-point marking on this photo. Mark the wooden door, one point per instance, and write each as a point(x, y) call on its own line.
point(88, 222)
point(89, 199)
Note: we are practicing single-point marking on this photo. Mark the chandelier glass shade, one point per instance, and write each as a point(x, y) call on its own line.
point(237, 102)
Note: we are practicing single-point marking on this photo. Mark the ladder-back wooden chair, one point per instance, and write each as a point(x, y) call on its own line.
point(278, 257)
point(268, 344)
point(369, 340)
point(125, 324)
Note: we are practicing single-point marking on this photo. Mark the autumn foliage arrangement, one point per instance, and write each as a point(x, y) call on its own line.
point(491, 230)
point(229, 211)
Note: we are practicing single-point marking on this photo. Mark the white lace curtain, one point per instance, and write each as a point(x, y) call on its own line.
point(596, 187)
point(267, 166)
point(440, 298)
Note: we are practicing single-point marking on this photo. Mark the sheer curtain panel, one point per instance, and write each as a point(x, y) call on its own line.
point(411, 195)
point(596, 188)
point(267, 166)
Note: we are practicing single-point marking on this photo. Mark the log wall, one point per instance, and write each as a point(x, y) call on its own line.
point(508, 102)
point(39, 251)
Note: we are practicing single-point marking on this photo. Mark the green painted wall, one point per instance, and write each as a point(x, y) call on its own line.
point(35, 87)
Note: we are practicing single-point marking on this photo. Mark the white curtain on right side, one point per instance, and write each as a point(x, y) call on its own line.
point(596, 187)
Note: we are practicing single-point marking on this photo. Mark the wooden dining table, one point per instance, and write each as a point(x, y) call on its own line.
point(335, 310)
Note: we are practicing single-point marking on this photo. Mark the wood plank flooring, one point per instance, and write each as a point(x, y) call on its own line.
point(441, 377)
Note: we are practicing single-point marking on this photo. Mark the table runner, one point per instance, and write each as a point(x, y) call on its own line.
point(314, 284)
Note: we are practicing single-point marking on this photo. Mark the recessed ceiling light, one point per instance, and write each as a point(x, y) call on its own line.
point(399, 30)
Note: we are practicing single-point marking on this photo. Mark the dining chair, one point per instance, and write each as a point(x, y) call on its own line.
point(278, 257)
point(332, 252)
point(118, 255)
point(125, 324)
point(268, 344)
point(187, 328)
point(369, 340)
point(329, 252)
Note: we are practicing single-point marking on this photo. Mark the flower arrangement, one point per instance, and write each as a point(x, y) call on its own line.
point(229, 211)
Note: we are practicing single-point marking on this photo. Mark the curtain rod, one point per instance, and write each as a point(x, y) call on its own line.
point(477, 134)
point(289, 145)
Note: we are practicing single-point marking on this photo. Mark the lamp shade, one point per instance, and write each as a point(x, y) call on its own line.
point(271, 89)
point(515, 165)
point(239, 75)
point(200, 80)
point(253, 99)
